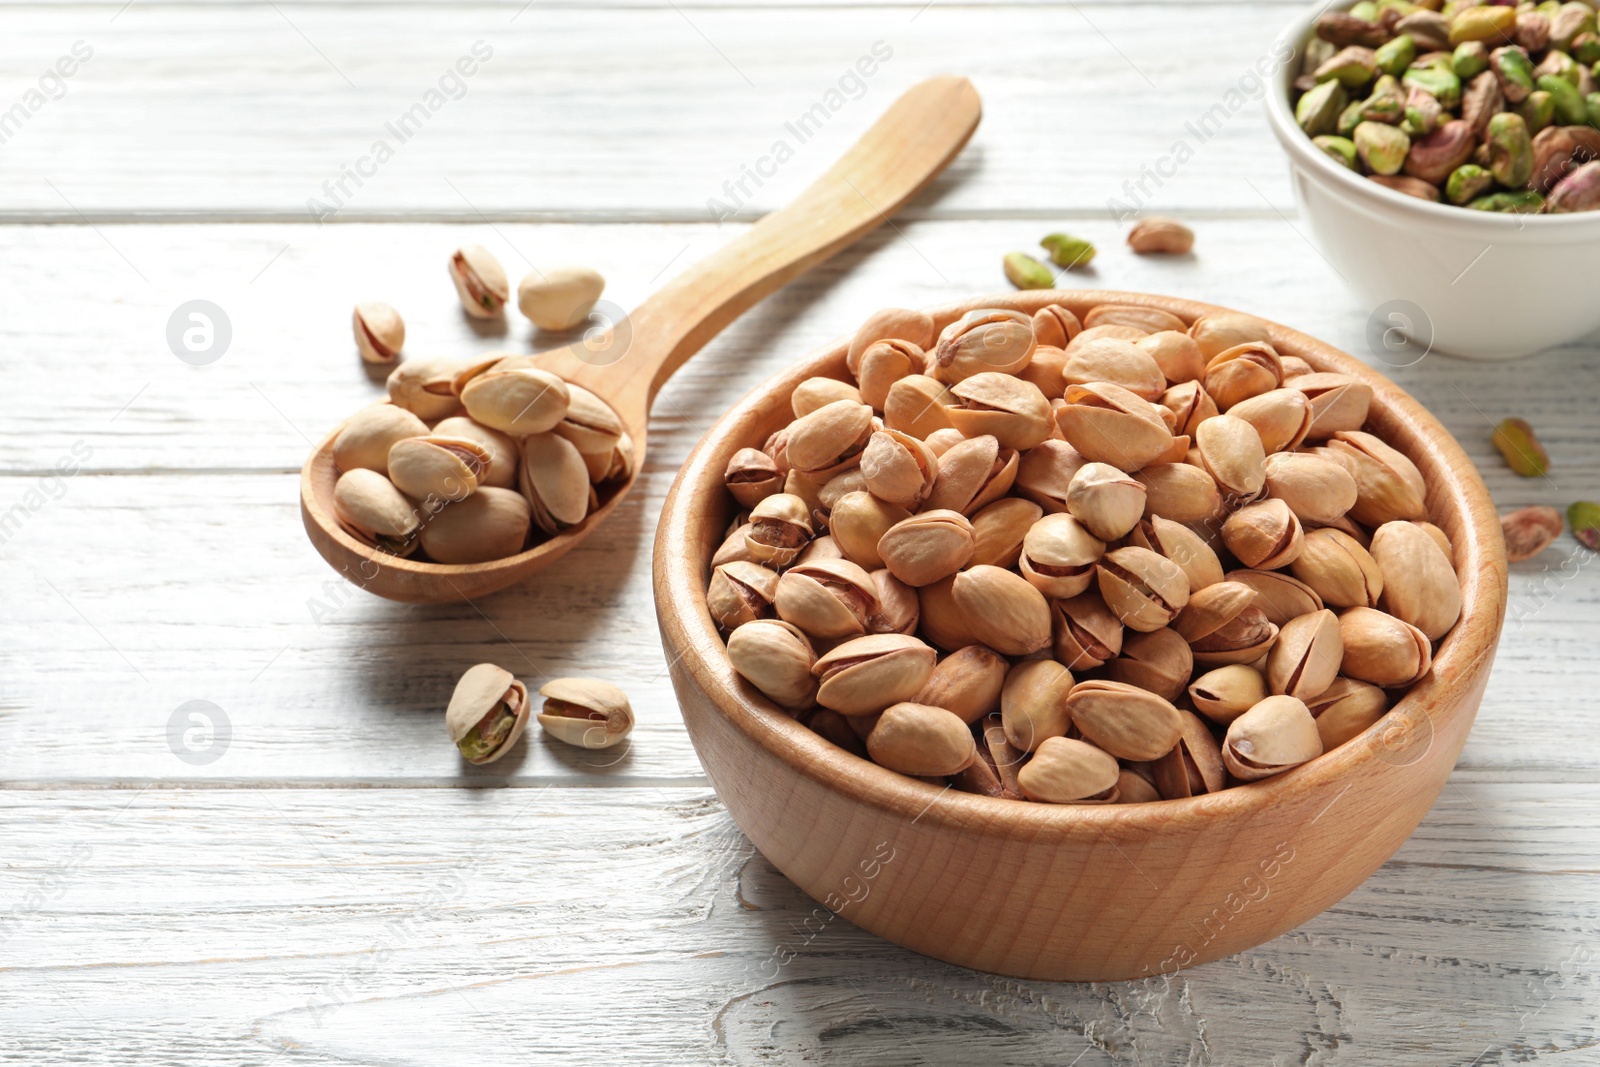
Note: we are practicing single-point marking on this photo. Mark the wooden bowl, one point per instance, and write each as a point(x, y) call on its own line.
point(1075, 892)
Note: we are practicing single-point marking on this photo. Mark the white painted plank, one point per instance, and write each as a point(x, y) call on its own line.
point(462, 927)
point(246, 110)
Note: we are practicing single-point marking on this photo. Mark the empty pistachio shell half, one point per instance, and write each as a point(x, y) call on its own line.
point(517, 401)
point(921, 740)
point(480, 281)
point(1274, 736)
point(426, 387)
point(436, 469)
point(488, 712)
point(1065, 771)
point(366, 437)
point(379, 330)
point(555, 482)
point(585, 712)
point(371, 508)
point(490, 524)
point(559, 298)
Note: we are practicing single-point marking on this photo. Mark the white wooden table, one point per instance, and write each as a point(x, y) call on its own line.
point(322, 882)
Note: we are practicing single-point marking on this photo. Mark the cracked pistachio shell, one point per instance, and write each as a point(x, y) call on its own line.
point(1306, 658)
point(889, 324)
point(920, 740)
point(1241, 372)
point(1388, 484)
point(859, 521)
point(987, 339)
point(1317, 489)
point(1227, 692)
point(775, 657)
point(1346, 708)
point(1219, 331)
point(1223, 625)
point(435, 468)
point(425, 387)
point(559, 298)
point(829, 439)
point(827, 599)
point(1065, 771)
point(518, 401)
point(480, 281)
point(999, 530)
point(1339, 569)
point(1159, 662)
point(819, 392)
point(502, 471)
point(898, 468)
point(1145, 590)
point(1124, 720)
point(1176, 354)
point(1012, 411)
point(1055, 326)
point(1058, 556)
point(1085, 633)
point(492, 523)
point(967, 683)
point(1274, 736)
point(1109, 424)
point(1194, 766)
point(1181, 492)
point(1265, 534)
point(1280, 596)
point(555, 482)
point(865, 675)
point(1002, 610)
point(927, 547)
point(1045, 471)
point(1419, 583)
point(366, 437)
point(780, 526)
point(1231, 452)
point(1033, 703)
point(1190, 405)
point(1109, 359)
point(1212, 608)
point(379, 330)
point(1181, 545)
point(972, 474)
point(589, 423)
point(1338, 402)
point(734, 547)
point(1383, 650)
point(897, 610)
point(740, 591)
point(1281, 417)
point(370, 507)
point(751, 476)
point(490, 705)
point(1106, 501)
point(1146, 320)
point(585, 712)
point(882, 364)
point(918, 405)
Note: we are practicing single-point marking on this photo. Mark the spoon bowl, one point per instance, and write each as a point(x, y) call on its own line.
point(629, 362)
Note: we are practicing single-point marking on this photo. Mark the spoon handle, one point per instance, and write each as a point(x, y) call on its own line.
point(905, 149)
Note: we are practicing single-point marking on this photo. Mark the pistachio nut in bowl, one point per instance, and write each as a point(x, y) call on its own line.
point(1381, 183)
point(1130, 835)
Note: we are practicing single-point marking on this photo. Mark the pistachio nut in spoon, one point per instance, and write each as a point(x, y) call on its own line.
point(626, 366)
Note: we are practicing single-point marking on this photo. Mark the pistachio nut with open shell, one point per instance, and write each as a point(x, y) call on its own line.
point(488, 712)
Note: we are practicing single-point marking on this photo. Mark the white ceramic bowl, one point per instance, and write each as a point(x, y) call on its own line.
point(1470, 283)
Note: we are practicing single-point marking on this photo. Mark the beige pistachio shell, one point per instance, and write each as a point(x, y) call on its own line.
point(1226, 693)
point(751, 476)
point(859, 522)
point(1231, 452)
point(780, 526)
point(1146, 591)
point(865, 675)
point(1045, 472)
point(366, 437)
point(1055, 325)
point(1236, 374)
point(1307, 656)
point(1318, 490)
point(1085, 633)
point(1144, 319)
point(1046, 370)
point(1065, 771)
point(1002, 610)
point(425, 387)
point(1221, 330)
point(520, 401)
point(921, 740)
point(827, 599)
point(1058, 556)
point(1190, 405)
point(1197, 559)
point(1109, 424)
point(589, 423)
point(1274, 736)
point(775, 657)
point(1124, 720)
point(502, 472)
point(898, 610)
point(1338, 402)
point(559, 298)
point(1281, 418)
point(492, 523)
point(1347, 708)
point(1135, 788)
point(1110, 359)
point(555, 482)
point(900, 324)
point(918, 405)
point(829, 439)
point(1013, 411)
point(1419, 583)
point(1341, 572)
point(1194, 766)
point(926, 547)
point(1105, 500)
point(1176, 353)
point(1033, 703)
point(740, 591)
point(1159, 662)
point(967, 683)
point(435, 469)
point(480, 281)
point(1265, 535)
point(1280, 596)
point(943, 622)
point(379, 330)
point(882, 364)
point(585, 712)
point(814, 393)
point(370, 507)
point(1179, 492)
point(898, 468)
point(1383, 650)
point(1388, 485)
point(478, 693)
point(982, 341)
point(999, 530)
point(972, 474)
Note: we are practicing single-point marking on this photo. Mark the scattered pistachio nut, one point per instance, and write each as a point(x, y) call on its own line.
point(585, 712)
point(1025, 272)
point(1529, 531)
point(487, 713)
point(1067, 251)
point(1520, 447)
point(1158, 235)
point(559, 298)
point(1584, 518)
point(480, 281)
point(379, 330)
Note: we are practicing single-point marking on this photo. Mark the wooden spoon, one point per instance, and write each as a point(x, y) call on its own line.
point(902, 152)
